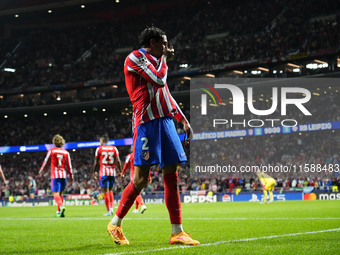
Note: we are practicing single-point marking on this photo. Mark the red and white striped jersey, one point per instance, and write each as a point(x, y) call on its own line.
point(107, 154)
point(145, 79)
point(60, 159)
point(129, 164)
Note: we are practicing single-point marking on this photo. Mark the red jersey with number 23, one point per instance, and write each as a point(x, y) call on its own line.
point(107, 155)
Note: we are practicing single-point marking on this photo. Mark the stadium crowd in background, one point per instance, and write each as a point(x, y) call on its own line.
point(286, 27)
point(315, 147)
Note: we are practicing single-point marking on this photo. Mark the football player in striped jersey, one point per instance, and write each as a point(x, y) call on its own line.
point(155, 139)
point(107, 157)
point(60, 161)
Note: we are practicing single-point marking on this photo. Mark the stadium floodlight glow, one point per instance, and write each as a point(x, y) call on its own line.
point(104, 110)
point(238, 72)
point(64, 113)
point(84, 111)
point(254, 72)
point(263, 69)
point(296, 70)
point(312, 66)
point(5, 116)
point(281, 71)
point(18, 153)
point(25, 115)
point(58, 98)
point(183, 65)
point(74, 150)
point(12, 70)
point(45, 114)
point(319, 61)
point(293, 65)
point(274, 72)
point(50, 64)
point(82, 6)
point(49, 11)
point(245, 71)
point(117, 1)
point(16, 15)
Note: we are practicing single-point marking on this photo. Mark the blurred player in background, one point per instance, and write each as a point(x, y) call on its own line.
point(155, 140)
point(129, 164)
point(268, 184)
point(60, 160)
point(32, 187)
point(107, 157)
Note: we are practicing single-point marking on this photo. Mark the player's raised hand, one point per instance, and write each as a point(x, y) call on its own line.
point(40, 174)
point(95, 176)
point(169, 53)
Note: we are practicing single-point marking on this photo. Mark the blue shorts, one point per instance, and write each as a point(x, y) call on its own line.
point(157, 142)
point(106, 181)
point(58, 184)
point(32, 191)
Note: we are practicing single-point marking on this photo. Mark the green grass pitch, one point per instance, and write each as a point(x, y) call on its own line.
point(288, 227)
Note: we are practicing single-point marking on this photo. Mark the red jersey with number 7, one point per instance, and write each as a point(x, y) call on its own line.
point(107, 155)
point(60, 160)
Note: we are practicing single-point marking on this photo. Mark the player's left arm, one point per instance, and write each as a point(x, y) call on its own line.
point(179, 115)
point(69, 167)
point(118, 163)
point(3, 176)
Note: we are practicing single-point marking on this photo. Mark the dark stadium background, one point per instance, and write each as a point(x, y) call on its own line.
point(68, 78)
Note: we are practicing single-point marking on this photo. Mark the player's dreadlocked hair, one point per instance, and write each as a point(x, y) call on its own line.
point(148, 34)
point(105, 138)
point(58, 140)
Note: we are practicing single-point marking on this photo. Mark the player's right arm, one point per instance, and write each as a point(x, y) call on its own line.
point(138, 62)
point(96, 164)
point(126, 165)
point(3, 176)
point(44, 164)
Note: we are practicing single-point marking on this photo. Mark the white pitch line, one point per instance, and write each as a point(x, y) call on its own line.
point(106, 219)
point(225, 242)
